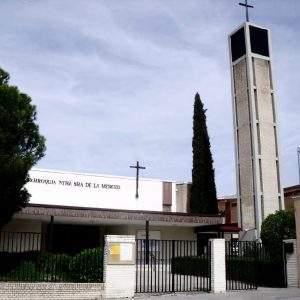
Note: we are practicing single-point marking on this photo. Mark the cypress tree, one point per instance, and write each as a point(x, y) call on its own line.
point(203, 190)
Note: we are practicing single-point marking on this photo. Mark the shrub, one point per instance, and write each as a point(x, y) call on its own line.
point(26, 271)
point(54, 267)
point(87, 266)
point(275, 228)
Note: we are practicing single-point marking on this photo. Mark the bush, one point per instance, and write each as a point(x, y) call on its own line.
point(275, 228)
point(11, 260)
point(54, 267)
point(87, 266)
point(26, 271)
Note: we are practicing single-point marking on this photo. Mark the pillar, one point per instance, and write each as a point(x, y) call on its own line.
point(218, 266)
point(119, 266)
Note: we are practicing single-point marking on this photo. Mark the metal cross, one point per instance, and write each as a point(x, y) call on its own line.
point(246, 6)
point(138, 168)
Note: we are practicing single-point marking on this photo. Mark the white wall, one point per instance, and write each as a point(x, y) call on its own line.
point(100, 191)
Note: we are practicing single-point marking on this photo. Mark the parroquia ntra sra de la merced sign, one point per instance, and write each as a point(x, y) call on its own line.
point(95, 190)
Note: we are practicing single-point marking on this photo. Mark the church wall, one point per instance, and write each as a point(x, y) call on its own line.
point(165, 232)
point(97, 191)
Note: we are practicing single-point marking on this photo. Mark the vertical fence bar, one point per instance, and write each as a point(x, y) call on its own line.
point(172, 259)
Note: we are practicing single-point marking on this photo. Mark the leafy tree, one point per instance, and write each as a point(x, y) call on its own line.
point(21, 146)
point(203, 190)
point(277, 227)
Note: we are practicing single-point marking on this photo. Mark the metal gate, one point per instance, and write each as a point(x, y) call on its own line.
point(240, 265)
point(249, 265)
point(164, 266)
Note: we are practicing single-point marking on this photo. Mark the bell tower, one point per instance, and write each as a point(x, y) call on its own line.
point(259, 188)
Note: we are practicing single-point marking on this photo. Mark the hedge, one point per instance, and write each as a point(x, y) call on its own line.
point(86, 266)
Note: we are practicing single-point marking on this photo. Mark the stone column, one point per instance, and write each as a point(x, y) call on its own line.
point(297, 217)
point(218, 266)
point(119, 266)
point(291, 262)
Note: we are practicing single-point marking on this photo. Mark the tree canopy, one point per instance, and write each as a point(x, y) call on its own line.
point(203, 190)
point(21, 146)
point(277, 227)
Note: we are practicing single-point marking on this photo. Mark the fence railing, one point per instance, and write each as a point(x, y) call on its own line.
point(249, 265)
point(24, 258)
point(172, 266)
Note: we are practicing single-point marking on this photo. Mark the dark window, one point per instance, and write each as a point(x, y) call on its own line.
point(259, 41)
point(238, 46)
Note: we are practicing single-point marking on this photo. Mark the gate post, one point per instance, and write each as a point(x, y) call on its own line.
point(119, 266)
point(218, 266)
point(290, 252)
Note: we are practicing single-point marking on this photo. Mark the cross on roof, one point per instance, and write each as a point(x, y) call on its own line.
point(246, 5)
point(138, 168)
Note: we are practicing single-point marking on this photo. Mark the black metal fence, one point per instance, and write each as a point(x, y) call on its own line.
point(249, 265)
point(172, 266)
point(24, 258)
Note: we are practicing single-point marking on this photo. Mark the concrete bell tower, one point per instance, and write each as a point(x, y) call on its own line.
point(259, 188)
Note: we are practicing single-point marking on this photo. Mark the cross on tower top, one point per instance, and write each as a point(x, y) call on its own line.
point(246, 5)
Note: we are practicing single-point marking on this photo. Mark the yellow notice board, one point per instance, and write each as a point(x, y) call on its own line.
point(115, 249)
point(121, 253)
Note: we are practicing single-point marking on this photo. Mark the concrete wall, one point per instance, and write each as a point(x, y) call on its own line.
point(183, 194)
point(244, 145)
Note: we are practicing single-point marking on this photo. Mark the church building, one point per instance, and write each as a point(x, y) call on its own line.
point(73, 211)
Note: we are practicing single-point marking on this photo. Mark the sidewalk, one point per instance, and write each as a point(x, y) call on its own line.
point(259, 294)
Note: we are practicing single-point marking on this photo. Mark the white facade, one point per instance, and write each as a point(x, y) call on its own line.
point(255, 126)
point(96, 191)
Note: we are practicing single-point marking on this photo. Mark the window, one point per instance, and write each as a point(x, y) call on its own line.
point(238, 46)
point(259, 41)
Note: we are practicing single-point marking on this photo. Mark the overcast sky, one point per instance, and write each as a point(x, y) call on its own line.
point(114, 81)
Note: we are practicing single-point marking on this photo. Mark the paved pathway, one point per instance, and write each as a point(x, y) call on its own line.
point(259, 294)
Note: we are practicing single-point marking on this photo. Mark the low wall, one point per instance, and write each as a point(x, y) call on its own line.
point(53, 291)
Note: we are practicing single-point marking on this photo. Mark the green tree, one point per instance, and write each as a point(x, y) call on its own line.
point(21, 146)
point(275, 228)
point(203, 190)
